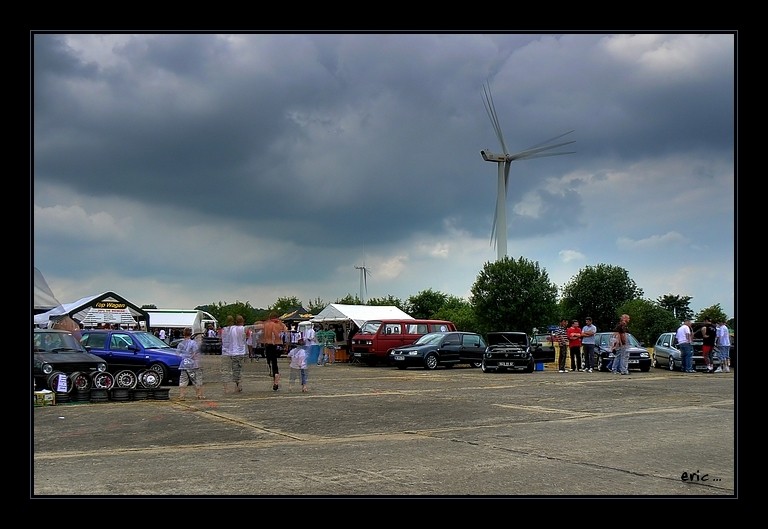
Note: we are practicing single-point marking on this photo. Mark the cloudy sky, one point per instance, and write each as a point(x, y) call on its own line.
point(185, 169)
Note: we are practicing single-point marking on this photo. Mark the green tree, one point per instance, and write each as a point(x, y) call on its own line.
point(389, 301)
point(598, 291)
point(715, 313)
point(512, 295)
point(285, 304)
point(316, 305)
point(679, 306)
point(460, 312)
point(349, 299)
point(647, 320)
point(426, 303)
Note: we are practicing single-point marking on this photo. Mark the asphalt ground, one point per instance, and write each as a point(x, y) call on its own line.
point(381, 432)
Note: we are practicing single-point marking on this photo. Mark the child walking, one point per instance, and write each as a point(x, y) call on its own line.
point(298, 356)
point(190, 371)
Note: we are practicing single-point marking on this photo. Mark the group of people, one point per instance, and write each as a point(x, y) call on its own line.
point(237, 342)
point(571, 339)
point(715, 342)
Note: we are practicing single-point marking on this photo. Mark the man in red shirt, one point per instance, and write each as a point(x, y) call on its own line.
point(574, 344)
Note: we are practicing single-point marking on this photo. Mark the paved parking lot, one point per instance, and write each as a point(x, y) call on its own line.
point(379, 431)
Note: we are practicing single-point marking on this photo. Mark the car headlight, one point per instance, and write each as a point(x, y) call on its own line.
point(46, 368)
point(101, 367)
point(644, 355)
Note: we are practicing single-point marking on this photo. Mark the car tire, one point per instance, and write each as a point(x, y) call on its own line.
point(103, 380)
point(645, 369)
point(529, 368)
point(126, 379)
point(671, 365)
point(656, 363)
point(53, 380)
point(150, 379)
point(484, 368)
point(160, 369)
point(80, 381)
point(430, 361)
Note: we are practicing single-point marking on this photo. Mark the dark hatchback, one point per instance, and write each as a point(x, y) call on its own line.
point(141, 352)
point(59, 361)
point(639, 357)
point(507, 351)
point(440, 349)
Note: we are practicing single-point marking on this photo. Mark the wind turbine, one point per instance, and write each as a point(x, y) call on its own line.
point(364, 273)
point(503, 161)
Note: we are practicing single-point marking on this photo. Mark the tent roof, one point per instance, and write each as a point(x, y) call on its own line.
point(297, 314)
point(336, 312)
point(43, 295)
point(177, 318)
point(79, 309)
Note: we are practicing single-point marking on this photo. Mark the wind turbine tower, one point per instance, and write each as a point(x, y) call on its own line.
point(364, 273)
point(503, 162)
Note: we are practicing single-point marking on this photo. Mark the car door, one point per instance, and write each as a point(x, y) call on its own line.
point(663, 350)
point(449, 348)
point(124, 352)
point(472, 349)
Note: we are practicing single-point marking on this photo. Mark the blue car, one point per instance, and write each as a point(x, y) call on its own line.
point(134, 356)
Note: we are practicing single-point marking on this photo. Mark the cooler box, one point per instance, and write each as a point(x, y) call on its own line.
point(539, 366)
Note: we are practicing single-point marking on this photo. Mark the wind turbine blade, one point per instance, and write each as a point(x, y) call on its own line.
point(507, 165)
point(529, 153)
point(552, 139)
point(490, 108)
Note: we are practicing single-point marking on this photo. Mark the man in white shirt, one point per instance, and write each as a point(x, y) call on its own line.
point(684, 343)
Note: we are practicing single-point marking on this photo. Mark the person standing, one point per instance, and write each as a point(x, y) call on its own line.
point(723, 347)
point(684, 343)
point(298, 356)
point(190, 370)
point(588, 343)
point(274, 330)
point(621, 354)
point(161, 335)
point(327, 340)
point(708, 333)
point(574, 345)
point(233, 351)
point(560, 337)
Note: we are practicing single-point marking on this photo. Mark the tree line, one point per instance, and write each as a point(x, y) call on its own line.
point(517, 294)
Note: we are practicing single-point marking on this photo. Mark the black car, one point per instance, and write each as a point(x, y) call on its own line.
point(60, 363)
point(135, 356)
point(507, 350)
point(639, 357)
point(440, 348)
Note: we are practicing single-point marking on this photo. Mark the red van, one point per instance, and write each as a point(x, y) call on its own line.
point(371, 344)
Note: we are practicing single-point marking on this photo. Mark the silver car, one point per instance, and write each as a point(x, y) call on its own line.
point(667, 355)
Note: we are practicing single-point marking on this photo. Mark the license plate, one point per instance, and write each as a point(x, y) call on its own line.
point(506, 364)
point(357, 354)
point(634, 361)
point(398, 357)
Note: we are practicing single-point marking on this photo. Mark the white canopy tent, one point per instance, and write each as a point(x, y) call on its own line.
point(197, 320)
point(359, 314)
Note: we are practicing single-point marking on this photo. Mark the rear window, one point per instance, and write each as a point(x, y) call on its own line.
point(96, 341)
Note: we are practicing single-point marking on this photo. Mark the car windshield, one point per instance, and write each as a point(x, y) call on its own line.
point(370, 327)
point(56, 341)
point(150, 341)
